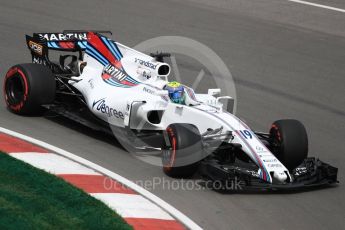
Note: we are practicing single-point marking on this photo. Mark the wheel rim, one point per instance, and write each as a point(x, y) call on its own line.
point(170, 154)
point(14, 89)
point(276, 140)
point(167, 159)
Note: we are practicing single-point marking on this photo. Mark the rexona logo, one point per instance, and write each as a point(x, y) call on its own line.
point(101, 106)
point(63, 37)
point(147, 90)
point(146, 63)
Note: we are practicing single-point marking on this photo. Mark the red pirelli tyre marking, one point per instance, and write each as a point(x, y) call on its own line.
point(277, 132)
point(11, 73)
point(173, 149)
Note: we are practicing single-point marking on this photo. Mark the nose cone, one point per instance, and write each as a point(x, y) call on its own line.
point(280, 176)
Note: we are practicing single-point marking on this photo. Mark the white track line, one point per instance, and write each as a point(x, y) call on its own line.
point(54, 163)
point(130, 205)
point(318, 5)
point(150, 196)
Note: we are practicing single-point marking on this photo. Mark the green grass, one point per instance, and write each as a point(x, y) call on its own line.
point(33, 199)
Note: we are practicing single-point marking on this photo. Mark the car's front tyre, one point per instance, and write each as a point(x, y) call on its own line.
point(289, 142)
point(184, 154)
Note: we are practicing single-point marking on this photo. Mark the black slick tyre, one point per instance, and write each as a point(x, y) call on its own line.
point(289, 142)
point(182, 159)
point(27, 87)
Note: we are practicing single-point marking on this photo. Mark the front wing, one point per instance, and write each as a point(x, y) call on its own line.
point(239, 176)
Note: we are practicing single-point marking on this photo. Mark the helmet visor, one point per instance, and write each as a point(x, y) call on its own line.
point(176, 94)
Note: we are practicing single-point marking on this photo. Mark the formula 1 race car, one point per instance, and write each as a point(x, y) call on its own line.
point(103, 83)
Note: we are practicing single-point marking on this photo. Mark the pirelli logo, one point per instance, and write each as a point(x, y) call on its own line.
point(37, 48)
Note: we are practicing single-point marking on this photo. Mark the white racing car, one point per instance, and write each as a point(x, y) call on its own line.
point(108, 84)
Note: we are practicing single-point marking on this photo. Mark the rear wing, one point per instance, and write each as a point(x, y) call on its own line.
point(68, 40)
point(63, 42)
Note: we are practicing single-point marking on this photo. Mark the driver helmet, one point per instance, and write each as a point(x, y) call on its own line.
point(176, 92)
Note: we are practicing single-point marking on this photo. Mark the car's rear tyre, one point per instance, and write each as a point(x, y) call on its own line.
point(182, 159)
point(289, 142)
point(27, 87)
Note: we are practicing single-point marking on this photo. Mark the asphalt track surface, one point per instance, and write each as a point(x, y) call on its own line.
point(288, 61)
